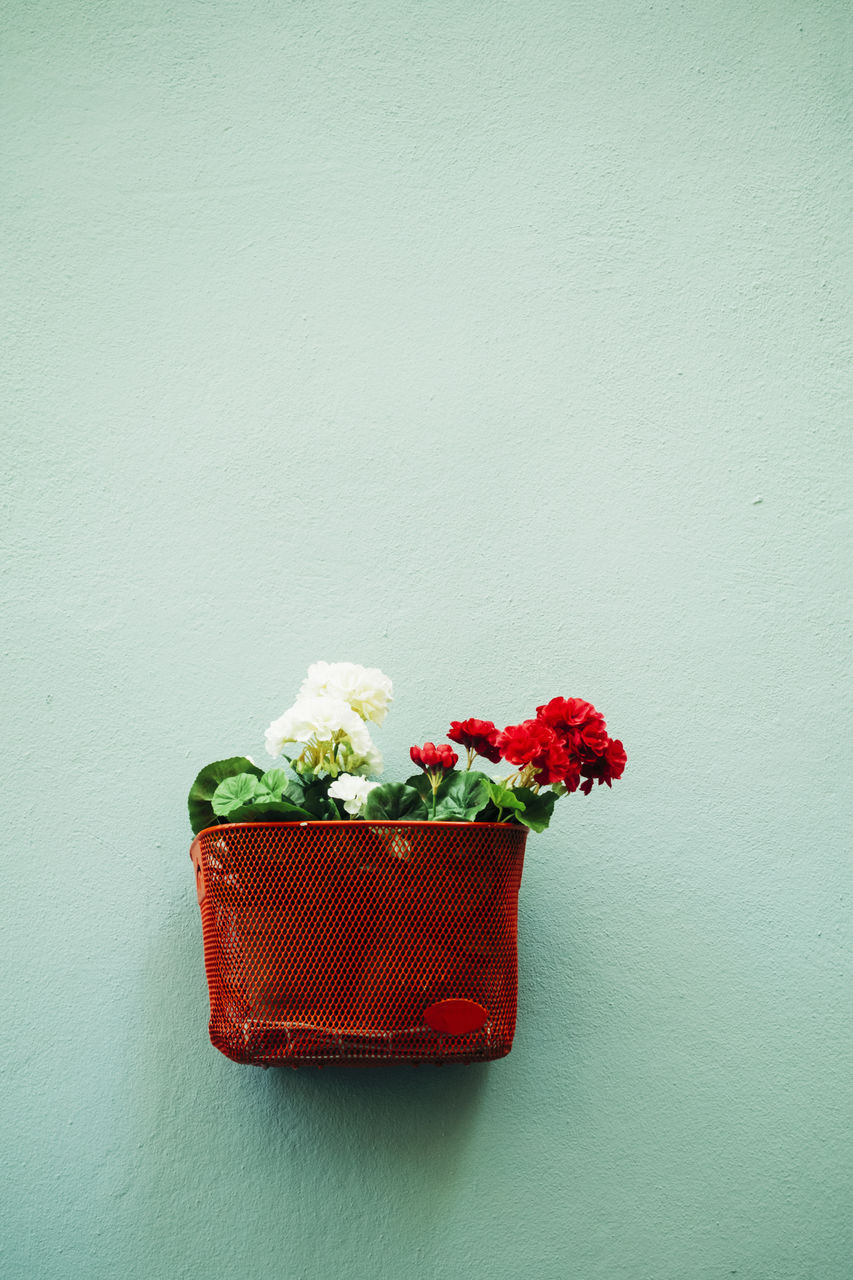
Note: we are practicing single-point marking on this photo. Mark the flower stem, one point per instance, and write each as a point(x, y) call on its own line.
point(435, 783)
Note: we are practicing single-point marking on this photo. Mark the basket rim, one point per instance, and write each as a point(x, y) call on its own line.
point(364, 822)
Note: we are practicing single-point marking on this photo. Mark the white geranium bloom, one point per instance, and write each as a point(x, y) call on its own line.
point(318, 719)
point(353, 792)
point(362, 762)
point(365, 689)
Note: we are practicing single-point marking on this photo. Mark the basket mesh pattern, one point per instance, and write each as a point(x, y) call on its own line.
point(325, 942)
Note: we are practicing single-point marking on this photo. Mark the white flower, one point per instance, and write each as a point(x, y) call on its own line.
point(353, 792)
point(318, 719)
point(365, 689)
point(364, 762)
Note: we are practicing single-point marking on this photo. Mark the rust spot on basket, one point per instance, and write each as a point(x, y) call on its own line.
point(455, 1017)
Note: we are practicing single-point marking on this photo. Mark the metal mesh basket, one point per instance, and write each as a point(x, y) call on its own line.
point(351, 943)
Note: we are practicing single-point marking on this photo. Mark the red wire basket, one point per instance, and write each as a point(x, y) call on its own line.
point(360, 943)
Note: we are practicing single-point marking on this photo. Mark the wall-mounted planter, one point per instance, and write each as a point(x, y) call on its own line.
point(360, 943)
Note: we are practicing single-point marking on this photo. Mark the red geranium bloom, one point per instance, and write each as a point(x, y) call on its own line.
point(555, 765)
point(593, 736)
point(579, 725)
point(429, 756)
point(522, 743)
point(571, 778)
point(479, 736)
point(535, 743)
point(566, 711)
point(606, 767)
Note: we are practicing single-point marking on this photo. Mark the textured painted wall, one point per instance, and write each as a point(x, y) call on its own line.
point(505, 347)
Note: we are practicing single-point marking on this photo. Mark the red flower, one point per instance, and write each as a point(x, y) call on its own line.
point(479, 736)
point(571, 778)
point(429, 756)
point(580, 727)
point(566, 711)
point(605, 768)
point(522, 743)
point(535, 743)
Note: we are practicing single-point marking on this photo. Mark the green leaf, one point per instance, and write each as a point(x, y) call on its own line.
point(294, 792)
point(332, 810)
point(236, 791)
point(420, 782)
point(538, 807)
point(317, 800)
point(280, 785)
point(396, 801)
point(504, 797)
point(423, 786)
point(269, 811)
point(201, 792)
point(460, 797)
point(275, 781)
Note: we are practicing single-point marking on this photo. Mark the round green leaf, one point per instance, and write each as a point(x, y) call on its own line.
point(538, 807)
point(268, 811)
point(461, 797)
point(504, 797)
point(395, 801)
point(234, 792)
point(201, 792)
point(274, 781)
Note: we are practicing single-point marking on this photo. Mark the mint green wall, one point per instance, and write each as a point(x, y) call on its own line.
point(504, 347)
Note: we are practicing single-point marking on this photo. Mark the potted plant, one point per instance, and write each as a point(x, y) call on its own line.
point(358, 922)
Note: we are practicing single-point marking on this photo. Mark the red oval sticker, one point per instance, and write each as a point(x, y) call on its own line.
point(455, 1017)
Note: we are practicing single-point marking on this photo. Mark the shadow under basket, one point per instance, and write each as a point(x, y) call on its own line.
point(360, 943)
